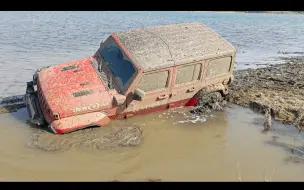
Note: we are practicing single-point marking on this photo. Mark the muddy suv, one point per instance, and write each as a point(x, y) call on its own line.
point(133, 72)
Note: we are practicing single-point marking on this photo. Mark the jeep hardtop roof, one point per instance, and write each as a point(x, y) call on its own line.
point(175, 44)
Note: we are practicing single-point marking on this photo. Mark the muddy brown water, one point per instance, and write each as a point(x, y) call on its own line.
point(176, 146)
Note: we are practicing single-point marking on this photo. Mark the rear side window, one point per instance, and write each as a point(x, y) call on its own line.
point(188, 73)
point(154, 81)
point(218, 67)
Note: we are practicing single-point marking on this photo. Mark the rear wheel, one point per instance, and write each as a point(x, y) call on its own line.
point(209, 102)
point(209, 98)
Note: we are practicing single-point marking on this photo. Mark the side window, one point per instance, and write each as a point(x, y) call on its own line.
point(218, 67)
point(188, 73)
point(154, 81)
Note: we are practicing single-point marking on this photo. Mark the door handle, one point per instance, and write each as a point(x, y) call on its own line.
point(161, 97)
point(191, 89)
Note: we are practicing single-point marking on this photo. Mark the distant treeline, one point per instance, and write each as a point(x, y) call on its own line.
point(299, 12)
point(271, 12)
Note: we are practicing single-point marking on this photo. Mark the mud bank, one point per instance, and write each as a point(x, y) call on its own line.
point(11, 104)
point(279, 88)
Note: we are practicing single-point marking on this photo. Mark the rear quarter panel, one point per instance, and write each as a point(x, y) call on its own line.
point(217, 79)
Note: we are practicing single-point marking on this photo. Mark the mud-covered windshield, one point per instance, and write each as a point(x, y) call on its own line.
point(121, 68)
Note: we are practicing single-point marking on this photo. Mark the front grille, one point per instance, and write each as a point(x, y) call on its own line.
point(44, 106)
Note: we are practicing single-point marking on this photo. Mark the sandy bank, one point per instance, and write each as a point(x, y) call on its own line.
point(278, 87)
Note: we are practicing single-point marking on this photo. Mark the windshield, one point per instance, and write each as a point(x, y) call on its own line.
point(121, 68)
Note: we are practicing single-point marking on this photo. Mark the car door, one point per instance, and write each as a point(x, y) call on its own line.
point(156, 86)
point(186, 83)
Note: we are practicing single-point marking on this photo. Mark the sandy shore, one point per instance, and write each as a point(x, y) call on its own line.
point(279, 88)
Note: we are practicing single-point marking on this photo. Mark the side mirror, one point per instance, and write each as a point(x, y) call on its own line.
point(119, 99)
point(139, 94)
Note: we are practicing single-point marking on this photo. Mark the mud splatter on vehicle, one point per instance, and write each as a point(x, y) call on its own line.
point(133, 72)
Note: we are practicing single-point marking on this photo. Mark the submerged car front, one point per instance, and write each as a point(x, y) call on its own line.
point(80, 93)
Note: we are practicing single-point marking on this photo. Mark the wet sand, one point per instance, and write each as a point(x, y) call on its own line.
point(275, 87)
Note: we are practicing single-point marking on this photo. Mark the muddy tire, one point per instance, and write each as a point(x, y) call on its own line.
point(207, 103)
point(210, 98)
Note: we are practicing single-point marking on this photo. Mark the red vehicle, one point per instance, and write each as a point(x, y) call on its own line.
point(133, 72)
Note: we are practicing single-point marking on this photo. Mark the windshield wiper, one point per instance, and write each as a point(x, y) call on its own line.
point(110, 82)
point(110, 79)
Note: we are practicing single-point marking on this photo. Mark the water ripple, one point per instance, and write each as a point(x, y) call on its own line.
point(30, 40)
